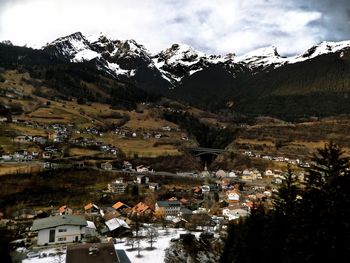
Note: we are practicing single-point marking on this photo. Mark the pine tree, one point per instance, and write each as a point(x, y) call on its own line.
point(285, 200)
point(328, 163)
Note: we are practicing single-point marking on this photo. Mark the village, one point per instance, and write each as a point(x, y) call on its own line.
point(204, 210)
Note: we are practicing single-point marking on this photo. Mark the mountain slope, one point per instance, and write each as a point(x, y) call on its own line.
point(258, 83)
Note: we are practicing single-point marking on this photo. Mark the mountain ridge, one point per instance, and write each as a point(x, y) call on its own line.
point(261, 82)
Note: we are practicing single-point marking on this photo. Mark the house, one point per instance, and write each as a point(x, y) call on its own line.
point(40, 140)
point(269, 172)
point(106, 166)
point(6, 157)
point(95, 252)
point(154, 186)
point(91, 209)
point(117, 187)
point(248, 175)
point(118, 227)
point(214, 187)
point(90, 229)
point(35, 154)
point(142, 169)
point(232, 174)
point(185, 213)
point(233, 214)
point(220, 173)
point(142, 179)
point(108, 215)
point(205, 188)
point(65, 210)
point(127, 165)
point(232, 195)
point(46, 155)
point(22, 138)
point(141, 209)
point(119, 206)
point(24, 214)
point(168, 207)
point(59, 229)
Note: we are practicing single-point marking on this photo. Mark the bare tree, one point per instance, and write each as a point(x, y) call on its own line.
point(131, 241)
point(59, 257)
point(139, 247)
point(152, 235)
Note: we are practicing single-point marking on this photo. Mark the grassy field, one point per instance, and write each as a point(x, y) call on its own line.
point(139, 147)
point(19, 168)
point(81, 152)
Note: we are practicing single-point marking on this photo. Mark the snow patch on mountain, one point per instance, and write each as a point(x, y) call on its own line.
point(262, 58)
point(268, 56)
point(124, 57)
point(85, 55)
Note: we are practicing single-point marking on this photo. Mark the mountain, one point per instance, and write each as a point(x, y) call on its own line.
point(258, 83)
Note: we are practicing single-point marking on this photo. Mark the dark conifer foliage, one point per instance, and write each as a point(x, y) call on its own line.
point(312, 225)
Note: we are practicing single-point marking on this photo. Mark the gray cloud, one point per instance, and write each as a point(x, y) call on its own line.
point(218, 27)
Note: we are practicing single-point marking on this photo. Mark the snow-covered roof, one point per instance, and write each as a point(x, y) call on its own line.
point(115, 223)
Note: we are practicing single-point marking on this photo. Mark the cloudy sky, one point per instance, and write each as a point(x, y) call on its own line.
point(212, 26)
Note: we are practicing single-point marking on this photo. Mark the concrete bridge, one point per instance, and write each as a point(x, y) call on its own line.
point(201, 151)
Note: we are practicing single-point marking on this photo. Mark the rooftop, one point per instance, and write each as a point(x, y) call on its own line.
point(55, 221)
point(168, 203)
point(88, 253)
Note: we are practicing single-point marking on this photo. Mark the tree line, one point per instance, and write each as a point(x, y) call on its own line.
point(206, 135)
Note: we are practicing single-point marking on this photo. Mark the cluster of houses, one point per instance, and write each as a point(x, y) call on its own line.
point(94, 144)
point(298, 162)
point(119, 186)
point(129, 133)
point(250, 175)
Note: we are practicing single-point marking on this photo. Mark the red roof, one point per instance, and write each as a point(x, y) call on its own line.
point(88, 206)
point(140, 208)
point(62, 208)
point(118, 205)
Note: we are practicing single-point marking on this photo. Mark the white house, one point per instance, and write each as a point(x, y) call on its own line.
point(59, 229)
point(233, 214)
point(269, 172)
point(232, 174)
point(232, 195)
point(168, 207)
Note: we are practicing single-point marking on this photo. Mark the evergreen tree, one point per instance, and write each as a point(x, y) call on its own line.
point(328, 163)
point(285, 200)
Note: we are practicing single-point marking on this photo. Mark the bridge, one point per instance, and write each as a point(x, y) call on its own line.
point(201, 151)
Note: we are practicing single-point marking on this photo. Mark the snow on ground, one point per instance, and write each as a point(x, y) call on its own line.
point(51, 256)
point(156, 255)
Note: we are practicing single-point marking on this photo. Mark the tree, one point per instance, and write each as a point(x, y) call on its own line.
point(328, 163)
point(161, 216)
point(152, 235)
point(139, 247)
point(285, 200)
point(131, 241)
point(321, 229)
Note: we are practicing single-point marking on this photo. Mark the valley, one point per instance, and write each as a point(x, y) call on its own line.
point(103, 130)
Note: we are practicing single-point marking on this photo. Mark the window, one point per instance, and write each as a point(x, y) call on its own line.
point(62, 230)
point(61, 239)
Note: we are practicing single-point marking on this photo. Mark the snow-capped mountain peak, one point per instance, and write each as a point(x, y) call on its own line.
point(325, 48)
point(74, 47)
point(127, 58)
point(262, 58)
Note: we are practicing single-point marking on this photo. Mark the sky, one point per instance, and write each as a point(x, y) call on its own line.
point(211, 26)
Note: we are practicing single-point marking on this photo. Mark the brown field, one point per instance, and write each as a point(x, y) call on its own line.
point(19, 168)
point(81, 152)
